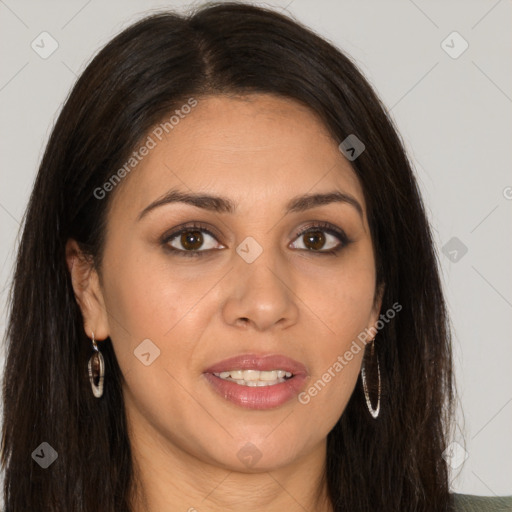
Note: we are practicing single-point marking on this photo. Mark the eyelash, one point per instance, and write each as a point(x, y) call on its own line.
point(195, 226)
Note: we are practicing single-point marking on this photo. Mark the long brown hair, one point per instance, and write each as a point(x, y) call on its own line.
point(393, 463)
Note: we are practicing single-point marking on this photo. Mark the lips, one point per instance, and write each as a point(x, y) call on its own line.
point(267, 397)
point(261, 363)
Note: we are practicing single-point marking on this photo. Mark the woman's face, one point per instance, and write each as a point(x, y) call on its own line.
point(241, 281)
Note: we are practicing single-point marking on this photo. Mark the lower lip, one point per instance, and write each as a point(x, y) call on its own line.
point(264, 397)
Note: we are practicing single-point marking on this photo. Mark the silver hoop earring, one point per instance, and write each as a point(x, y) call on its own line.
point(371, 410)
point(96, 367)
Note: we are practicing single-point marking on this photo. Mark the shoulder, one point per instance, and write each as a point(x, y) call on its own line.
point(470, 503)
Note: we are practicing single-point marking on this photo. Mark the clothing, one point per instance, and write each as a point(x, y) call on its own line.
point(470, 503)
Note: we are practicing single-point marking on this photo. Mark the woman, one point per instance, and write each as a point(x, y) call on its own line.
point(226, 294)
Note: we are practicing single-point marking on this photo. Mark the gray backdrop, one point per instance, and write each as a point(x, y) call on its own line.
point(441, 70)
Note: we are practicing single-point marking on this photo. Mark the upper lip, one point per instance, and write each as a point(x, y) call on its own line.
point(258, 362)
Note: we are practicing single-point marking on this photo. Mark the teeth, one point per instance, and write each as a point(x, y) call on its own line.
point(255, 378)
point(252, 375)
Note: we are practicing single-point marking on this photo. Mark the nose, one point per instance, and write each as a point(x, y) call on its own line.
point(260, 295)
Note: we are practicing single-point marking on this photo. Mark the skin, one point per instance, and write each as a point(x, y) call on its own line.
point(259, 151)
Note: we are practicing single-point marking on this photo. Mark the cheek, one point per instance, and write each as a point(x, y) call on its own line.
point(145, 300)
point(340, 298)
point(327, 393)
point(146, 293)
point(345, 312)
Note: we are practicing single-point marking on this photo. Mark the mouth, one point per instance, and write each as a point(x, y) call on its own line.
point(255, 378)
point(257, 382)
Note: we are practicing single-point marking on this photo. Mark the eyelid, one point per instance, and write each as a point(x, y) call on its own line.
point(328, 228)
point(190, 226)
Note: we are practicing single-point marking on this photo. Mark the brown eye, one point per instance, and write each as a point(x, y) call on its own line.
point(314, 240)
point(191, 240)
point(321, 239)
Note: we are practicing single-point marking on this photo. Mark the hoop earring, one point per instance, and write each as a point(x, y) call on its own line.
point(371, 410)
point(96, 367)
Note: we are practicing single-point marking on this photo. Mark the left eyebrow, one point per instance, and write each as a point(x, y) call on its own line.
point(221, 204)
point(302, 203)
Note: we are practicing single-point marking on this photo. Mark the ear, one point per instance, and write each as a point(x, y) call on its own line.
point(88, 293)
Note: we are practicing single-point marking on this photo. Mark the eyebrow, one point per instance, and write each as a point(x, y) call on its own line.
point(221, 204)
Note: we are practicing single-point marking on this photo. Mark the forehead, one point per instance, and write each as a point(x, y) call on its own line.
point(252, 148)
